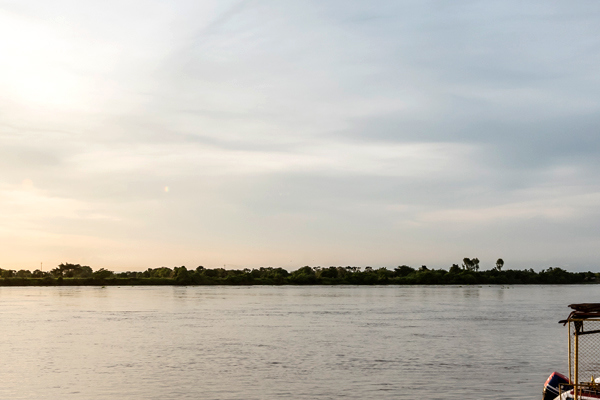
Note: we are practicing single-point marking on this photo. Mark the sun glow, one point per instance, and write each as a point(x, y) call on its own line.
point(36, 68)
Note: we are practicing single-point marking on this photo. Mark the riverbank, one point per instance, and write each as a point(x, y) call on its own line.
point(71, 275)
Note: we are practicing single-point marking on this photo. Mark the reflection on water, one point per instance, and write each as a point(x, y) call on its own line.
point(469, 342)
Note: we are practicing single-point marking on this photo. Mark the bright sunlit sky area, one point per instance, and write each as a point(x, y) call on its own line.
point(139, 134)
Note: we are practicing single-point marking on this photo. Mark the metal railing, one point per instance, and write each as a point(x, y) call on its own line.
point(584, 357)
point(580, 391)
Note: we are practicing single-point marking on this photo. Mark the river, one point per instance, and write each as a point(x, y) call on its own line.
point(290, 342)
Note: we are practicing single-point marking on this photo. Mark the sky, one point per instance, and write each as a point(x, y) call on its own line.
point(138, 134)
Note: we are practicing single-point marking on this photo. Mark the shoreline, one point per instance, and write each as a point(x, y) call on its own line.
point(73, 282)
point(77, 275)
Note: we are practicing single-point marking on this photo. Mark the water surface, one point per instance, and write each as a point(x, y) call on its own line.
point(266, 342)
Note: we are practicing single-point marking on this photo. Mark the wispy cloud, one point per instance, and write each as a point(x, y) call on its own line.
point(306, 131)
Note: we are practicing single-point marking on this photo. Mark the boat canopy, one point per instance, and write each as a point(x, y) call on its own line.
point(582, 311)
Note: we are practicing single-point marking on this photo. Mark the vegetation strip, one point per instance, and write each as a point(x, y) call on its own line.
point(467, 274)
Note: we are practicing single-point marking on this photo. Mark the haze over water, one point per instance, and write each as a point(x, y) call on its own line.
point(283, 342)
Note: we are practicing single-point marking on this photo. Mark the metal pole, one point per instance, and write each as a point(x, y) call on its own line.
point(576, 362)
point(570, 361)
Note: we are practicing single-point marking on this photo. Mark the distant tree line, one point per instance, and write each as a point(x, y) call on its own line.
point(466, 274)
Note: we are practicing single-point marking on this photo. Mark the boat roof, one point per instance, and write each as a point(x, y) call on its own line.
point(583, 311)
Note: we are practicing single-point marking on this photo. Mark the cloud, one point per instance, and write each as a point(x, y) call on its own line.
point(309, 129)
point(562, 209)
point(414, 160)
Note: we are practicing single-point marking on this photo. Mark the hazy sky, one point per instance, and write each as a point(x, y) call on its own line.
point(136, 134)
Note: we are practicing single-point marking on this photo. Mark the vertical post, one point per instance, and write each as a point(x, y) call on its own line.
point(576, 362)
point(570, 355)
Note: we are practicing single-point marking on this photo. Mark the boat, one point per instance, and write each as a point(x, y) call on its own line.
point(584, 357)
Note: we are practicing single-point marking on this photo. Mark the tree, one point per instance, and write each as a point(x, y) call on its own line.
point(467, 264)
point(7, 273)
point(103, 274)
point(24, 274)
point(304, 275)
point(69, 270)
point(39, 274)
point(499, 264)
point(330, 272)
point(181, 275)
point(471, 264)
point(403, 270)
point(85, 272)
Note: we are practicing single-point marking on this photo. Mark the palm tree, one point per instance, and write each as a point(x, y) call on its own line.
point(499, 264)
point(475, 262)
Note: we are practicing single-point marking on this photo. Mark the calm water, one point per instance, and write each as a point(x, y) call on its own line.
point(283, 342)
